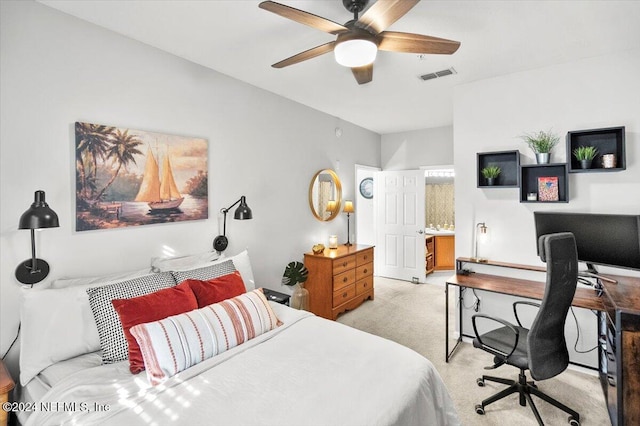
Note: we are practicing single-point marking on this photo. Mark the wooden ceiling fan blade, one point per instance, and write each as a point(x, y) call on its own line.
point(307, 54)
point(303, 17)
point(416, 43)
point(383, 14)
point(363, 74)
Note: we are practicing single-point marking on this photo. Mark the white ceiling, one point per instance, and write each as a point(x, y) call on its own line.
point(498, 37)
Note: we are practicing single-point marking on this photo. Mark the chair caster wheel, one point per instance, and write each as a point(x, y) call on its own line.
point(479, 409)
point(480, 382)
point(573, 421)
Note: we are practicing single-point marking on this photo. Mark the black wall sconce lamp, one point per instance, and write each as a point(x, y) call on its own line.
point(39, 216)
point(243, 212)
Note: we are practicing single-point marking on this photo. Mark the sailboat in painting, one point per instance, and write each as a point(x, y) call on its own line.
point(159, 192)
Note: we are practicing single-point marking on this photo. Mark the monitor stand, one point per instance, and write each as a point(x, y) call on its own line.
point(592, 272)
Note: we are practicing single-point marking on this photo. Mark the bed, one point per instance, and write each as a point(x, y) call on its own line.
point(305, 371)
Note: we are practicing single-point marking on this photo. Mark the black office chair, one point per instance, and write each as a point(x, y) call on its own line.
point(541, 349)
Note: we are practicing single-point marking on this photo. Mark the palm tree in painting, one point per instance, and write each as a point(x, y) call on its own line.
point(122, 149)
point(92, 142)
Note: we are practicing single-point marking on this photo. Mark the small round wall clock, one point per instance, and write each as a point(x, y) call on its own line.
point(366, 188)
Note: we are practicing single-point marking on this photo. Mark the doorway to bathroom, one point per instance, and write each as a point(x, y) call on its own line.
point(440, 218)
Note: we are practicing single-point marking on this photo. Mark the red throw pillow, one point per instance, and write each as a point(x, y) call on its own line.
point(151, 307)
point(217, 289)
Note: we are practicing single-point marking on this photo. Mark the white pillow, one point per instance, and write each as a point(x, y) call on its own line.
point(101, 280)
point(56, 324)
point(165, 264)
point(243, 265)
point(178, 342)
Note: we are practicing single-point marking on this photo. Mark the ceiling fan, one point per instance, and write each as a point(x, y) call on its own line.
point(360, 39)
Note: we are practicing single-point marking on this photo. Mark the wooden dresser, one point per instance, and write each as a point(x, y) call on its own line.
point(339, 279)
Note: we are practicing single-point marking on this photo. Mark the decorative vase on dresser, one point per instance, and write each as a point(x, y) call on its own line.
point(339, 279)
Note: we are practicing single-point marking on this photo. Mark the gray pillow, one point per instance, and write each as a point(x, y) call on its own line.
point(112, 341)
point(206, 273)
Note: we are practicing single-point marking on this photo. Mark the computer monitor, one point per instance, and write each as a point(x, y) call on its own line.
point(601, 239)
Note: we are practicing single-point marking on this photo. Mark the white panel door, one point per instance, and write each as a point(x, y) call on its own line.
point(400, 217)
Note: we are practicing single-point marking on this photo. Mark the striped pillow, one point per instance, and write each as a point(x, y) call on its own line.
point(178, 342)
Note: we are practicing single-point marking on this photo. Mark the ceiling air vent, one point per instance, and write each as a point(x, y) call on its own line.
point(437, 74)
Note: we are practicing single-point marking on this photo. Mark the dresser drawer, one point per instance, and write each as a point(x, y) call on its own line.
point(363, 271)
point(344, 264)
point(364, 285)
point(364, 256)
point(344, 279)
point(344, 295)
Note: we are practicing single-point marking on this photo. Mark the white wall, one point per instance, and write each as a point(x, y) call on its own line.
point(57, 69)
point(417, 148)
point(490, 114)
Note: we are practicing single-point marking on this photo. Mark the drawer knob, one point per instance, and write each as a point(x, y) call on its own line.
point(365, 285)
point(366, 257)
point(344, 295)
point(365, 270)
point(345, 279)
point(344, 264)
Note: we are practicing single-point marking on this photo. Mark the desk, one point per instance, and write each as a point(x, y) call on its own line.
point(584, 297)
point(618, 324)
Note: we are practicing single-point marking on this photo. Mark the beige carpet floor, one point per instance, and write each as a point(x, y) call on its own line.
point(413, 315)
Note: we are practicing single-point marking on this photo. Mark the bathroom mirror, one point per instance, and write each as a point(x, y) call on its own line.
point(325, 195)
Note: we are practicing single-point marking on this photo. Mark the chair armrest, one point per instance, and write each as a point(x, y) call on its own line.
point(515, 309)
point(490, 349)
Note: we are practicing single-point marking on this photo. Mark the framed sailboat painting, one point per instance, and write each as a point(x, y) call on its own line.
point(127, 177)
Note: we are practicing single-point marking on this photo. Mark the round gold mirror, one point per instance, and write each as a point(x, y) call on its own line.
point(325, 195)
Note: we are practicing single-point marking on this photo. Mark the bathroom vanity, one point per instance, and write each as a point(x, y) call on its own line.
point(440, 245)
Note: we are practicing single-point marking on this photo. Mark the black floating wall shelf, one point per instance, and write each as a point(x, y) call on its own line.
point(509, 163)
point(607, 141)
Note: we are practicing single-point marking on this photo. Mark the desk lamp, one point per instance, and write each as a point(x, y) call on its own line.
point(39, 216)
point(243, 212)
point(481, 234)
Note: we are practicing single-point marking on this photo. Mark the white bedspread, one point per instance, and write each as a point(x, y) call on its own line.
point(309, 371)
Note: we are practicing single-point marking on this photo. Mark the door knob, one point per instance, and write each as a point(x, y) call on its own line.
point(421, 232)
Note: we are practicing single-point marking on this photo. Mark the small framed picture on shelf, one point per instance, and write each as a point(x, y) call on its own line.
point(548, 188)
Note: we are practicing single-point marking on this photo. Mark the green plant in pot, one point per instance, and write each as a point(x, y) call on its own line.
point(541, 143)
point(585, 155)
point(491, 173)
point(295, 274)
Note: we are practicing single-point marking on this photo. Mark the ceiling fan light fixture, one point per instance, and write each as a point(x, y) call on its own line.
point(355, 52)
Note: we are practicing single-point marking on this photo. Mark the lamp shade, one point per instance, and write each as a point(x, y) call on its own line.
point(243, 211)
point(483, 233)
point(39, 215)
point(355, 52)
point(348, 206)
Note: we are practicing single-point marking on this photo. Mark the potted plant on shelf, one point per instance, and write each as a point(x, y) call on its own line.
point(491, 174)
point(585, 155)
point(295, 274)
point(541, 143)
